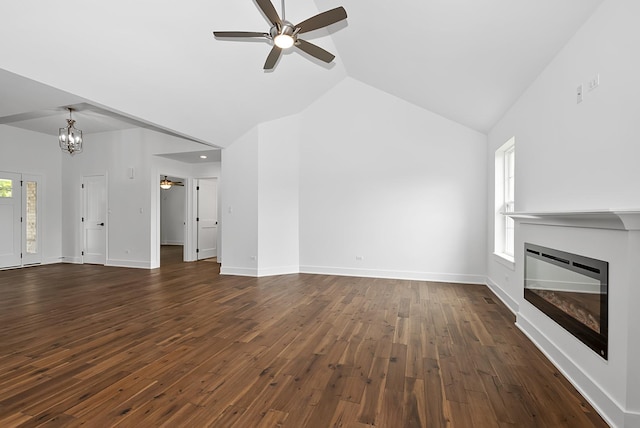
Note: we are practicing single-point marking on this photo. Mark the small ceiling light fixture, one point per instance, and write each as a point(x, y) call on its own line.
point(203, 156)
point(284, 35)
point(165, 184)
point(69, 137)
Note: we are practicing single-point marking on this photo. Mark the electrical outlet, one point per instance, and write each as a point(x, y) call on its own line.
point(579, 96)
point(359, 258)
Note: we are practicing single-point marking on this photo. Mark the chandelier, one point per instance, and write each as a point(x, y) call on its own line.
point(69, 137)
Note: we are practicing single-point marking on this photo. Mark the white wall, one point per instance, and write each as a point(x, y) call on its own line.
point(239, 207)
point(133, 220)
point(397, 185)
point(278, 237)
point(173, 205)
point(29, 152)
point(128, 218)
point(573, 157)
point(359, 173)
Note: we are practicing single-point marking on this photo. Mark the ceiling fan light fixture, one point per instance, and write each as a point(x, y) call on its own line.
point(283, 41)
point(284, 35)
point(165, 184)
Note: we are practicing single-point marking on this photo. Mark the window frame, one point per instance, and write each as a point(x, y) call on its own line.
point(504, 234)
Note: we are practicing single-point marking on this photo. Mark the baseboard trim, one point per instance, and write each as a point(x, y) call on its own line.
point(366, 273)
point(606, 406)
point(128, 264)
point(632, 419)
point(74, 260)
point(172, 243)
point(283, 270)
point(238, 271)
point(508, 301)
point(393, 274)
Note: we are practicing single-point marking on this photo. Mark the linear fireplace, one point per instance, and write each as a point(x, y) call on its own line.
point(572, 290)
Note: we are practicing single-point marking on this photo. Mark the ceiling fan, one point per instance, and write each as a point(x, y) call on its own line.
point(284, 34)
point(166, 183)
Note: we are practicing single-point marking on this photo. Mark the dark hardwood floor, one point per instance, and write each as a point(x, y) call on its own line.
point(182, 346)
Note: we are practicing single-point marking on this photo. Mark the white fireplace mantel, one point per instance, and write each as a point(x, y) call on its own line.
point(598, 219)
point(612, 386)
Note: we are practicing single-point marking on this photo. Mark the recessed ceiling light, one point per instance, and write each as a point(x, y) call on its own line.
point(203, 156)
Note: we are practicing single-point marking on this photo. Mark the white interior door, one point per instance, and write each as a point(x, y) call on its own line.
point(207, 218)
point(94, 220)
point(10, 219)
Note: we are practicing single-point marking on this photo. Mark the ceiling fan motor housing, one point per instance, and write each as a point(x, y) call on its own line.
point(285, 29)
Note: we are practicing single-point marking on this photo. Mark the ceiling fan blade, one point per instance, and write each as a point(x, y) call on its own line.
point(315, 51)
point(238, 34)
point(272, 58)
point(322, 20)
point(267, 8)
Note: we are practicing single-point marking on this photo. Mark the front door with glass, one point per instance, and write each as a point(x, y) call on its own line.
point(10, 219)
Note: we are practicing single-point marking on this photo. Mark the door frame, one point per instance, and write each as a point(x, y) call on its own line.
point(185, 205)
point(190, 237)
point(156, 196)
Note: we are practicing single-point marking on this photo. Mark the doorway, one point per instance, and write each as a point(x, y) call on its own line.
point(187, 216)
point(173, 214)
point(20, 213)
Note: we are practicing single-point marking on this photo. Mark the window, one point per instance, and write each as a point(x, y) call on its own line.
point(505, 200)
point(31, 206)
point(6, 188)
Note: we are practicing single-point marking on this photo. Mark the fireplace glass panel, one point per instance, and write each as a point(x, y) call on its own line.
point(572, 290)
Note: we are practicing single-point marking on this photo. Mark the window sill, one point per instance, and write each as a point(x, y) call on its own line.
point(505, 260)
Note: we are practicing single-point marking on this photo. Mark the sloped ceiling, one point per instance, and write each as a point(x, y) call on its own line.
point(157, 61)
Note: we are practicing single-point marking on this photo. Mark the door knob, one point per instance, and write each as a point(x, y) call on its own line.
point(100, 224)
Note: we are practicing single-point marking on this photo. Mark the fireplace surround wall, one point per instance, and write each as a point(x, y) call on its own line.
point(611, 385)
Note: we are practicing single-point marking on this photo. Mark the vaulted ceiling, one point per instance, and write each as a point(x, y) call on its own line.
point(157, 63)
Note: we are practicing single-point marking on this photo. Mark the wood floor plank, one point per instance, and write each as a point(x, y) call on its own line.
point(84, 345)
point(414, 409)
point(373, 391)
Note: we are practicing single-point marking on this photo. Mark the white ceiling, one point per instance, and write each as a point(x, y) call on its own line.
point(194, 157)
point(33, 106)
point(467, 60)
